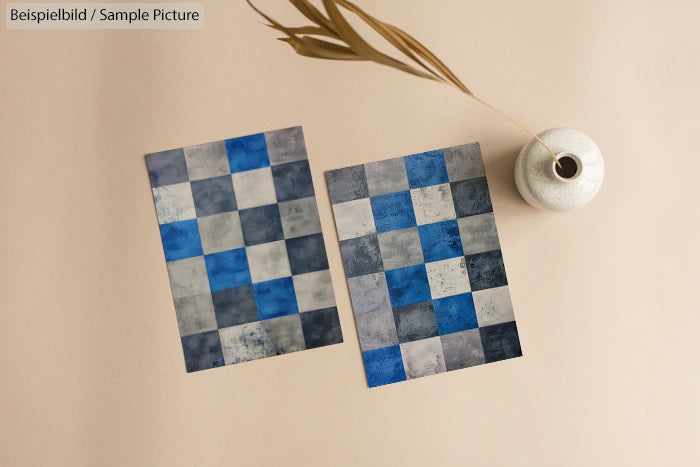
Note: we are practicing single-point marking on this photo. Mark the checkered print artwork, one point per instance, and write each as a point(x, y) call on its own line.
point(424, 265)
point(244, 250)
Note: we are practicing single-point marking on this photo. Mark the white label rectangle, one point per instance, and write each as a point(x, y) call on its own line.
point(104, 15)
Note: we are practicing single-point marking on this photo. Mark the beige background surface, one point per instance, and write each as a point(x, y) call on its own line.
point(606, 298)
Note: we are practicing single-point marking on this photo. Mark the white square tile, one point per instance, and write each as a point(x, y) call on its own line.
point(188, 277)
point(207, 160)
point(242, 343)
point(174, 203)
point(254, 188)
point(433, 204)
point(220, 232)
point(493, 306)
point(268, 261)
point(314, 290)
point(448, 277)
point(423, 357)
point(354, 218)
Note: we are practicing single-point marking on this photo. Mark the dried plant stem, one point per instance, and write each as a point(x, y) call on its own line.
point(352, 46)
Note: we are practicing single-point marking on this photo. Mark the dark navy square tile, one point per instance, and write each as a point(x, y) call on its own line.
point(408, 285)
point(361, 256)
point(202, 351)
point(393, 211)
point(181, 240)
point(292, 180)
point(235, 306)
point(275, 298)
point(227, 269)
point(213, 195)
point(486, 270)
point(167, 167)
point(456, 313)
point(471, 197)
point(440, 240)
point(307, 254)
point(415, 322)
point(247, 153)
point(321, 327)
point(425, 169)
point(384, 366)
point(500, 342)
point(261, 225)
point(347, 184)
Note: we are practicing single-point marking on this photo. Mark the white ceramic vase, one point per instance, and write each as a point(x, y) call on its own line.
point(544, 185)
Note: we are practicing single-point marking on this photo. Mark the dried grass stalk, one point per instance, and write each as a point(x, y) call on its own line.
point(311, 41)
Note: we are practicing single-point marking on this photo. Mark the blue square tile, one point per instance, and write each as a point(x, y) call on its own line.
point(167, 167)
point(440, 241)
point(213, 195)
point(227, 269)
point(247, 153)
point(500, 342)
point(275, 298)
point(393, 211)
point(425, 169)
point(486, 270)
point(307, 254)
point(181, 240)
point(408, 285)
point(293, 180)
point(384, 366)
point(456, 313)
point(202, 351)
point(261, 225)
point(361, 256)
point(471, 197)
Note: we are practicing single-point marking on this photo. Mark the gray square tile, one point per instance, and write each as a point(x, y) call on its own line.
point(354, 219)
point(387, 176)
point(423, 358)
point(220, 232)
point(314, 290)
point(188, 277)
point(376, 329)
point(462, 349)
point(464, 162)
point(415, 322)
point(283, 335)
point(369, 293)
point(433, 204)
point(207, 160)
point(268, 261)
point(493, 306)
point(361, 256)
point(300, 217)
point(286, 145)
point(478, 233)
point(347, 184)
point(195, 314)
point(400, 248)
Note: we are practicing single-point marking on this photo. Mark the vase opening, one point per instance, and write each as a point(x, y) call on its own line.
point(570, 166)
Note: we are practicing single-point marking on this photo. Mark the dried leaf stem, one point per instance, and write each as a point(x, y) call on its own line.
point(349, 45)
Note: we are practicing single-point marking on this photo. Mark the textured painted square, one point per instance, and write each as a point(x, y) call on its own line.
point(425, 271)
point(243, 247)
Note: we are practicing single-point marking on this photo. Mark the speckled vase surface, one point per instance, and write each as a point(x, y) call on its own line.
point(548, 187)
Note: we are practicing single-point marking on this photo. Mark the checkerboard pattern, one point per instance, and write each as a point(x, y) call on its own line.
point(244, 250)
point(424, 265)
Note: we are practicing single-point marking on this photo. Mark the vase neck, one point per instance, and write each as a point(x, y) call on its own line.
point(570, 168)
